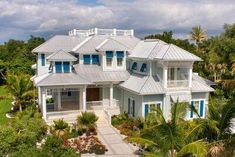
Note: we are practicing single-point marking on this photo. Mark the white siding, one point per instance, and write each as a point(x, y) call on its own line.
point(42, 69)
point(114, 66)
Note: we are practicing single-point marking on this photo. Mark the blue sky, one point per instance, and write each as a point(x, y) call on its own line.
point(21, 18)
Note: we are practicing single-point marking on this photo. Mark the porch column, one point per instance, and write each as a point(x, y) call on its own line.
point(165, 77)
point(111, 95)
point(39, 98)
point(84, 98)
point(44, 107)
point(190, 77)
point(58, 99)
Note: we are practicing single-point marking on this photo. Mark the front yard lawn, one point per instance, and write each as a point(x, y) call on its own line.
point(5, 105)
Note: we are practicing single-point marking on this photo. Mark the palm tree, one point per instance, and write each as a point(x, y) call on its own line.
point(198, 35)
point(60, 129)
point(170, 136)
point(20, 87)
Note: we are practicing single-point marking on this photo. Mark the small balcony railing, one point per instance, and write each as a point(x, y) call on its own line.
point(177, 83)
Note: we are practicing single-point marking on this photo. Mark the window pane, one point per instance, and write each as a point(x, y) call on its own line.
point(58, 67)
point(152, 106)
point(143, 67)
point(109, 61)
point(66, 67)
point(134, 66)
point(109, 54)
point(86, 59)
point(120, 54)
point(95, 59)
point(43, 59)
point(119, 61)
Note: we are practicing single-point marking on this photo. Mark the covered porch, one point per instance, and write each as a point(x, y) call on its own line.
point(60, 100)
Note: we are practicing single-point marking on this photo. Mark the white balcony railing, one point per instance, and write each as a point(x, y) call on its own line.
point(177, 83)
point(98, 31)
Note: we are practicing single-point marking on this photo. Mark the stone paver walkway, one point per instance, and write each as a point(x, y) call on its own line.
point(113, 141)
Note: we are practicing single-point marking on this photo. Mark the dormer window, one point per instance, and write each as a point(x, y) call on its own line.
point(120, 55)
point(134, 66)
point(66, 67)
point(58, 67)
point(62, 67)
point(143, 67)
point(109, 58)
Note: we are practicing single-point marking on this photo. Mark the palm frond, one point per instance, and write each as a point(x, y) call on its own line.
point(197, 148)
point(141, 141)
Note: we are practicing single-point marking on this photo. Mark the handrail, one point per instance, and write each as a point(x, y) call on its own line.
point(98, 31)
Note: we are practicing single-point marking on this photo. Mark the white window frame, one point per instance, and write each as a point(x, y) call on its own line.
point(154, 102)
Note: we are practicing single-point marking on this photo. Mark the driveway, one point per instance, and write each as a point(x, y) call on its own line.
point(113, 141)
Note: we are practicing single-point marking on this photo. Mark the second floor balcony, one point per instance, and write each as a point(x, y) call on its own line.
point(177, 83)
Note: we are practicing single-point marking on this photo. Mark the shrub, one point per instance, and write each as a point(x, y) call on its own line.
point(60, 129)
point(97, 149)
point(86, 123)
point(54, 146)
point(119, 119)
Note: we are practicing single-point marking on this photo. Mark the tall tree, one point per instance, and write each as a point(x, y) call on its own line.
point(20, 87)
point(198, 35)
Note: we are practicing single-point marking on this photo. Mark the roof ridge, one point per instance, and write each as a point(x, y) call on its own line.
point(101, 44)
point(166, 50)
point(76, 48)
point(153, 49)
point(119, 42)
point(144, 84)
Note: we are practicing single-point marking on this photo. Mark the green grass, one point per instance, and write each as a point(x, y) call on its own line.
point(5, 105)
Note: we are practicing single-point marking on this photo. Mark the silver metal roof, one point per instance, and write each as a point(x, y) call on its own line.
point(202, 80)
point(143, 84)
point(112, 45)
point(200, 87)
point(95, 74)
point(59, 42)
point(61, 56)
point(181, 97)
point(157, 49)
point(57, 79)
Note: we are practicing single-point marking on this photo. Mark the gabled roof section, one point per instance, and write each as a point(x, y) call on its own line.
point(61, 56)
point(143, 84)
point(112, 45)
point(103, 42)
point(156, 49)
point(59, 42)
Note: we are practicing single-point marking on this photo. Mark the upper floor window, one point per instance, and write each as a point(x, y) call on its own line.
point(143, 67)
point(109, 58)
point(95, 59)
point(62, 67)
point(86, 59)
point(134, 66)
point(58, 67)
point(120, 55)
point(43, 59)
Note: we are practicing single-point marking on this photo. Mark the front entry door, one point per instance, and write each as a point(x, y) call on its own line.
point(93, 94)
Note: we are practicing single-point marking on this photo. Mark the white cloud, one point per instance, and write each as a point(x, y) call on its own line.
point(40, 16)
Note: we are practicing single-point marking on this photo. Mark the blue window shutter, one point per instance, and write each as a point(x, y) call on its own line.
point(95, 59)
point(43, 59)
point(58, 67)
point(66, 67)
point(191, 112)
point(86, 59)
point(109, 54)
point(202, 106)
point(120, 54)
point(129, 106)
point(146, 109)
point(133, 106)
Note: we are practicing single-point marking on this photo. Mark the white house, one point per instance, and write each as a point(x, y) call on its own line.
point(111, 69)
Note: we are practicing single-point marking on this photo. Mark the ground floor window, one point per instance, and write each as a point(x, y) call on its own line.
point(199, 105)
point(149, 107)
point(131, 107)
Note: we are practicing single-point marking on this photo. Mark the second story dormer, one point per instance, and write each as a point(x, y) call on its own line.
point(61, 62)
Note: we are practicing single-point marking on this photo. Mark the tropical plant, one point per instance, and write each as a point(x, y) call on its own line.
point(60, 128)
point(198, 35)
point(175, 137)
point(20, 87)
point(87, 121)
